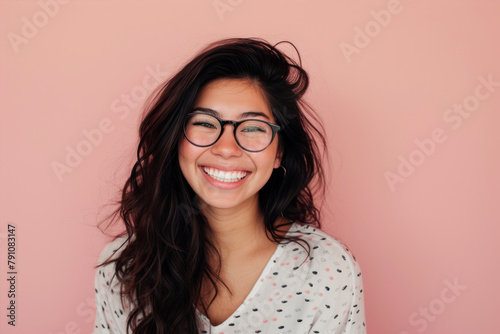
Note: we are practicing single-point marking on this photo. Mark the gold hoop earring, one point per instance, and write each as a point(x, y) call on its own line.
point(284, 171)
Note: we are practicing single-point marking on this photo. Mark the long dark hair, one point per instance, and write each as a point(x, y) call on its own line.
point(168, 240)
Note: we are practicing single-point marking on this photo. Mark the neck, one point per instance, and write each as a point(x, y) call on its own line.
point(237, 231)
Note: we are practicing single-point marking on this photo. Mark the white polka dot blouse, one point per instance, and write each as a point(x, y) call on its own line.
point(295, 293)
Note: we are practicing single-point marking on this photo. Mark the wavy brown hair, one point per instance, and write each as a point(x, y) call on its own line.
point(164, 261)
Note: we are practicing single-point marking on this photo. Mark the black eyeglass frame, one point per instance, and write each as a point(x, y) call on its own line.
point(274, 127)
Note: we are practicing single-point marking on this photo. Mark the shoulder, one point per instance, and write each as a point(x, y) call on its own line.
point(111, 309)
point(113, 249)
point(104, 275)
point(106, 284)
point(328, 256)
point(330, 280)
point(322, 244)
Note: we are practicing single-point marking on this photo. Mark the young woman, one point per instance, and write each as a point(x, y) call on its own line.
point(222, 229)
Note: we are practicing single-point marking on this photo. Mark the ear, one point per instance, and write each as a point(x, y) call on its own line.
point(277, 161)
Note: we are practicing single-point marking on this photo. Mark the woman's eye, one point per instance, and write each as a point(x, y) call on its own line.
point(205, 124)
point(253, 129)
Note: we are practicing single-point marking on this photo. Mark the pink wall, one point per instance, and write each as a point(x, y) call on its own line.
point(389, 92)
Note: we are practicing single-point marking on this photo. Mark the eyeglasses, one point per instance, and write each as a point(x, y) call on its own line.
point(252, 135)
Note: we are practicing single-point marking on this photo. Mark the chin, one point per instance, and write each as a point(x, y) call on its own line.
point(226, 202)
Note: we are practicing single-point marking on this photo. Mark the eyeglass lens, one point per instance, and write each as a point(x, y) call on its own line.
point(204, 130)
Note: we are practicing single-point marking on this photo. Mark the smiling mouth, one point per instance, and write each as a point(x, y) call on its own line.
point(224, 176)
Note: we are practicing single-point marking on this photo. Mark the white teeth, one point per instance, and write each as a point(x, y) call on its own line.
point(223, 176)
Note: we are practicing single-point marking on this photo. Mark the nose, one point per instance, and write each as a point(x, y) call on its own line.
point(227, 146)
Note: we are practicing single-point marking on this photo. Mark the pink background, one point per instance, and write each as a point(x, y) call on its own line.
point(392, 88)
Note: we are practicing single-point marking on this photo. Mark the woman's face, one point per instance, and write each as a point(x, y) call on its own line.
point(231, 99)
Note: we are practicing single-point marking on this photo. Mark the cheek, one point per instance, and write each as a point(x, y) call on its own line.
point(269, 161)
point(185, 155)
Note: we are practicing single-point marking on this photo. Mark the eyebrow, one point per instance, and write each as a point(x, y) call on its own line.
point(246, 114)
